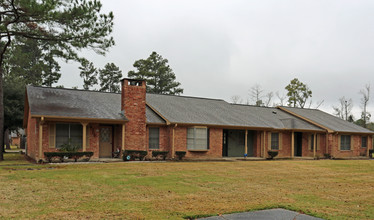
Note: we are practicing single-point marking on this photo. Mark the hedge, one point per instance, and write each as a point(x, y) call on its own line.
point(180, 154)
point(134, 154)
point(157, 153)
point(272, 154)
point(62, 155)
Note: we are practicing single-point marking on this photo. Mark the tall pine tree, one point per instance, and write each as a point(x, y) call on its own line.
point(110, 78)
point(88, 73)
point(159, 76)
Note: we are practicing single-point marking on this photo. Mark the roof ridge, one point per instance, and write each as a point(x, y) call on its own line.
point(71, 89)
point(182, 96)
point(253, 105)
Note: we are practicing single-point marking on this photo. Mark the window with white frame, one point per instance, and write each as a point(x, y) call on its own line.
point(69, 134)
point(154, 138)
point(275, 141)
point(345, 142)
point(364, 142)
point(197, 138)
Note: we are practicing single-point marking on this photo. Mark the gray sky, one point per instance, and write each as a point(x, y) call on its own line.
point(218, 49)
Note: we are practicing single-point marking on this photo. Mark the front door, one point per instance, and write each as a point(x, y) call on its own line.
point(105, 146)
point(250, 141)
point(298, 144)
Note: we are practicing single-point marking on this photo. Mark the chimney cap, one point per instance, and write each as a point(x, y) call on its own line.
point(132, 79)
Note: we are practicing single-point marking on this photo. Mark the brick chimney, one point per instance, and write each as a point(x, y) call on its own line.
point(133, 104)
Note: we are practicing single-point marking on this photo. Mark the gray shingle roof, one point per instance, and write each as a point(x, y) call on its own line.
point(74, 103)
point(191, 110)
point(329, 121)
point(79, 103)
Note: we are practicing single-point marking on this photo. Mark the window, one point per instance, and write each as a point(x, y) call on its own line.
point(69, 133)
point(154, 138)
point(345, 142)
point(364, 142)
point(275, 141)
point(197, 139)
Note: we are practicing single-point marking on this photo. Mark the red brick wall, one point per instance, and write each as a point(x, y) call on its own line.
point(215, 143)
point(133, 102)
point(16, 141)
point(164, 140)
point(356, 149)
point(32, 135)
point(93, 145)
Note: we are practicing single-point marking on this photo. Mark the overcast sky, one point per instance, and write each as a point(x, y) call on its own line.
point(218, 49)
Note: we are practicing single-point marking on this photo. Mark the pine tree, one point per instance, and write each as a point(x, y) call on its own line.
point(159, 76)
point(110, 78)
point(88, 73)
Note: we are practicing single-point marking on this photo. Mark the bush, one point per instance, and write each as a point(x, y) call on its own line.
point(371, 152)
point(62, 155)
point(327, 156)
point(134, 154)
point(272, 154)
point(68, 147)
point(180, 154)
point(163, 154)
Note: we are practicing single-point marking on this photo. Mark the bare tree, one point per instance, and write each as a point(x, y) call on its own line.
point(268, 98)
point(365, 116)
point(255, 94)
point(344, 109)
point(236, 99)
point(281, 98)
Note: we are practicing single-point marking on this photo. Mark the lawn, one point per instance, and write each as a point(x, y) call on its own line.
point(332, 189)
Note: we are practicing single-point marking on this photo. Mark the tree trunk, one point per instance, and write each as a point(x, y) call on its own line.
point(1, 115)
point(7, 139)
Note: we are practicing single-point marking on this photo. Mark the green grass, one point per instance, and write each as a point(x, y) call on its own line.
point(329, 189)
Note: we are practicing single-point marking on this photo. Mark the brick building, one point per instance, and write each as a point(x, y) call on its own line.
point(204, 128)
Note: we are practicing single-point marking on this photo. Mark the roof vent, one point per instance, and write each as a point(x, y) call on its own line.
point(274, 112)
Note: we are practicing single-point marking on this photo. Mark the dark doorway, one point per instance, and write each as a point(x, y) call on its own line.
point(234, 143)
point(250, 141)
point(224, 141)
point(298, 144)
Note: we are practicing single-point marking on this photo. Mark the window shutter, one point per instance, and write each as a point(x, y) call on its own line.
point(52, 135)
point(208, 138)
point(269, 140)
point(317, 141)
point(352, 140)
point(280, 141)
point(310, 141)
point(339, 141)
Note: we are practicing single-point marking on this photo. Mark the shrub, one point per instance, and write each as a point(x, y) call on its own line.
point(163, 154)
point(133, 154)
point(68, 147)
point(272, 154)
point(180, 154)
point(62, 155)
point(371, 152)
point(327, 156)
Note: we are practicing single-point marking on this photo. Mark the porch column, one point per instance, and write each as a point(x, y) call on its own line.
point(41, 137)
point(314, 145)
point(246, 143)
point(292, 144)
point(84, 145)
point(123, 137)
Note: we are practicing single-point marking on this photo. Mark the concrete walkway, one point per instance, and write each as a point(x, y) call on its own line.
point(270, 214)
